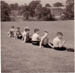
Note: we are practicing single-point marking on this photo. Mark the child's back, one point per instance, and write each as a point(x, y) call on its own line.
point(44, 40)
point(36, 37)
point(11, 32)
point(56, 42)
point(18, 33)
point(28, 38)
point(26, 35)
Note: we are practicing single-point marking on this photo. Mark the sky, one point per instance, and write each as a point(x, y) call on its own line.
point(20, 2)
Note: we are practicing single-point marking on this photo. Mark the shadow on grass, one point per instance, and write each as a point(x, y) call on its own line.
point(61, 49)
point(65, 49)
point(70, 50)
point(47, 46)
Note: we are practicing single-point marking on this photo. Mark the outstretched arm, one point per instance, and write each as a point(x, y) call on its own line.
point(41, 41)
point(51, 45)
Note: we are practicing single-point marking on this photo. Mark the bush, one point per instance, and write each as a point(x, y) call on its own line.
point(5, 11)
point(46, 14)
point(58, 4)
point(69, 12)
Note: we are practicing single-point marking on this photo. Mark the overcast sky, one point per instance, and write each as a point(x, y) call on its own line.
point(28, 1)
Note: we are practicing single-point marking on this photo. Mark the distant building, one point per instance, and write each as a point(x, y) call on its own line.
point(69, 2)
point(57, 11)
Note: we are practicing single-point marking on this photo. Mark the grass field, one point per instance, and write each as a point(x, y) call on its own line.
point(19, 57)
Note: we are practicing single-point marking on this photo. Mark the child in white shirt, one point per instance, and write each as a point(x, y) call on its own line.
point(11, 32)
point(26, 35)
point(36, 37)
point(58, 41)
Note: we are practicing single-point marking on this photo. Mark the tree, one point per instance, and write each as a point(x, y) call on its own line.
point(68, 2)
point(26, 12)
point(46, 14)
point(58, 4)
point(47, 5)
point(21, 9)
point(69, 12)
point(38, 11)
point(14, 6)
point(43, 13)
point(33, 5)
point(5, 11)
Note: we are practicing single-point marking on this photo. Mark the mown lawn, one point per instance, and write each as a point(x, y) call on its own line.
point(19, 57)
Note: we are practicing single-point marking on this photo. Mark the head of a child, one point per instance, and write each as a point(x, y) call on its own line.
point(12, 27)
point(36, 30)
point(46, 33)
point(27, 29)
point(18, 28)
point(60, 35)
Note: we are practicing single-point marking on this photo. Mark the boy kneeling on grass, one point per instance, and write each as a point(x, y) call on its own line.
point(36, 37)
point(18, 33)
point(11, 32)
point(26, 35)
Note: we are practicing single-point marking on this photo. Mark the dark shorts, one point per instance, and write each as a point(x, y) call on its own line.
point(28, 40)
point(70, 50)
point(19, 37)
point(56, 48)
point(60, 48)
point(47, 45)
point(36, 43)
point(11, 34)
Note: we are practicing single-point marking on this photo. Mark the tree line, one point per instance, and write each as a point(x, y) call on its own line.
point(35, 10)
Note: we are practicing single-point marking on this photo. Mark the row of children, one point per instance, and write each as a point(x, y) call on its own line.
point(57, 43)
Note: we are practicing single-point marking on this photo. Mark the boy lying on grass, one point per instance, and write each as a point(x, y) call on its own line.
point(58, 41)
point(11, 32)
